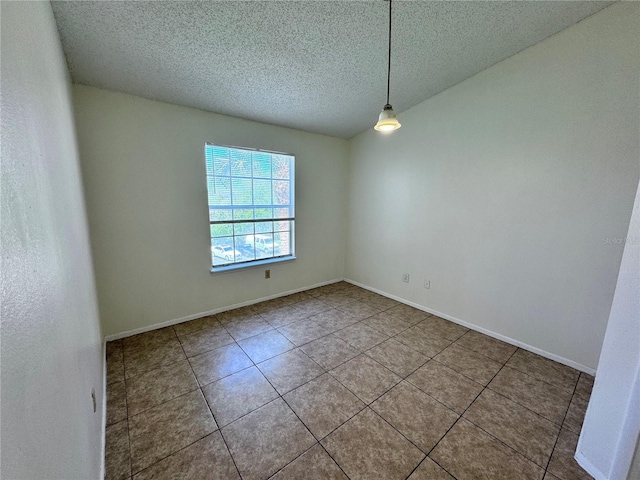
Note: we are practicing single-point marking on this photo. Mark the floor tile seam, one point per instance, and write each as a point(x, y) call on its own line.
point(197, 387)
point(370, 406)
point(434, 461)
point(461, 415)
point(512, 447)
point(466, 376)
point(317, 442)
point(474, 352)
point(384, 333)
point(434, 398)
point(404, 377)
point(545, 419)
point(155, 367)
point(561, 427)
point(480, 353)
point(540, 379)
point(361, 399)
point(173, 453)
point(570, 397)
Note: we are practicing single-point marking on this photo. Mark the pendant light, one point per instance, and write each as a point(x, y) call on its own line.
point(387, 122)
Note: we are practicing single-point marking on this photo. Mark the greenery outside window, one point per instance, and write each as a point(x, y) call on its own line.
point(251, 206)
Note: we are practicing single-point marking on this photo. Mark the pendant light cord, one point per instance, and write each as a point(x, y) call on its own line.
point(389, 64)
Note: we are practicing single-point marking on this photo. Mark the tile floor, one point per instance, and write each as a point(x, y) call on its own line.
point(332, 383)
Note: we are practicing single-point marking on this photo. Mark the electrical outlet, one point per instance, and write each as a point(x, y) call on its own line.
point(427, 284)
point(405, 277)
point(267, 274)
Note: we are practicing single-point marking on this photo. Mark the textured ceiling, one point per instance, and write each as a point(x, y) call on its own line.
point(318, 66)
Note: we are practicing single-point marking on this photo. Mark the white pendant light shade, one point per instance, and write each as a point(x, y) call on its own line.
point(387, 121)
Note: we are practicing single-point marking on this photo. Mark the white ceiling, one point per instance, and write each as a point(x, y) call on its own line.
point(318, 66)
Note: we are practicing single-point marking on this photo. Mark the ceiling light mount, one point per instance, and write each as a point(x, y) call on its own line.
point(387, 121)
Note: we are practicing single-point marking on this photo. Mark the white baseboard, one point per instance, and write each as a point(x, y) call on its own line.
point(588, 467)
point(538, 351)
point(175, 321)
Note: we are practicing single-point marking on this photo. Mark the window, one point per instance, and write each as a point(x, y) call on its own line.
point(251, 206)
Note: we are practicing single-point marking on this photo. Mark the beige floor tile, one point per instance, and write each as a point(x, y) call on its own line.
point(142, 358)
point(219, 363)
point(115, 362)
point(204, 460)
point(334, 320)
point(544, 369)
point(336, 299)
point(303, 331)
point(323, 404)
point(575, 415)
point(290, 370)
point(585, 385)
point(445, 385)
point(205, 340)
point(521, 429)
point(265, 345)
point(296, 298)
point(538, 396)
point(387, 323)
point(408, 313)
point(422, 341)
point(247, 327)
point(361, 336)
point(365, 377)
point(117, 461)
point(487, 346)
point(314, 464)
point(116, 403)
point(550, 476)
point(160, 431)
point(149, 339)
point(397, 357)
point(266, 440)
point(185, 328)
point(468, 453)
point(236, 314)
point(443, 328)
point(415, 414)
point(330, 351)
point(358, 310)
point(473, 365)
point(160, 385)
point(562, 463)
point(270, 305)
point(367, 447)
point(310, 307)
point(430, 470)
point(282, 316)
point(380, 302)
point(236, 395)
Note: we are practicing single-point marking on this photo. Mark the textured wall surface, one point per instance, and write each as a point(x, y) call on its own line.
point(144, 173)
point(511, 191)
point(51, 348)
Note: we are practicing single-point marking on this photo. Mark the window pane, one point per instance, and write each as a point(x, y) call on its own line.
point(283, 239)
point(240, 162)
point(263, 213)
point(243, 213)
point(282, 213)
point(264, 227)
point(219, 191)
point(217, 215)
point(243, 229)
point(242, 194)
point(262, 192)
point(221, 230)
point(281, 166)
point(261, 165)
point(281, 193)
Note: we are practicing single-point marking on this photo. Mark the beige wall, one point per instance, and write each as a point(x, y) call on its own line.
point(50, 341)
point(502, 189)
point(144, 174)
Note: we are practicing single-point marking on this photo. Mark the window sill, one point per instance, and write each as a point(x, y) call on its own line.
point(245, 266)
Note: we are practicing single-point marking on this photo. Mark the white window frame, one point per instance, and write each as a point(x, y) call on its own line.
point(256, 262)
